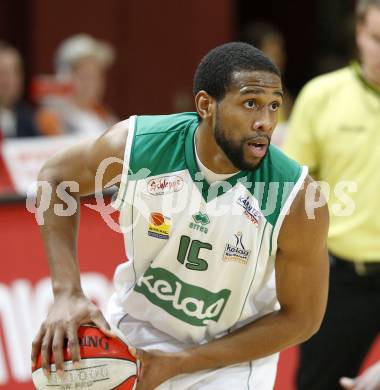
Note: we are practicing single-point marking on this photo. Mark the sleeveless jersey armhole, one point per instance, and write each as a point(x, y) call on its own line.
point(118, 198)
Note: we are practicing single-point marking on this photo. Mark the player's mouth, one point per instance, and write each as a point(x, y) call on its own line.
point(258, 147)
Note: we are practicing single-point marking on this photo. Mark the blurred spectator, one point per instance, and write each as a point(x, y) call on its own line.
point(81, 61)
point(16, 116)
point(335, 130)
point(268, 39)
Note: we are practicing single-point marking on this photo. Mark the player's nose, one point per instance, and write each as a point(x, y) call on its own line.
point(265, 122)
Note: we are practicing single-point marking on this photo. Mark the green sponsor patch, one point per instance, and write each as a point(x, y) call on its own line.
point(192, 304)
point(201, 218)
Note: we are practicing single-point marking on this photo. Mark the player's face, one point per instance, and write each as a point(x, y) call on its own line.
point(368, 41)
point(246, 117)
point(10, 78)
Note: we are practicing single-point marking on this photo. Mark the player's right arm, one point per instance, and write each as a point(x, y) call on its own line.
point(71, 308)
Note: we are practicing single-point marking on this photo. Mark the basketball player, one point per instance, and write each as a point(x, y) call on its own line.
point(227, 265)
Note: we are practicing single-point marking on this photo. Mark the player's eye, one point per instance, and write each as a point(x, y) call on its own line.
point(250, 104)
point(274, 106)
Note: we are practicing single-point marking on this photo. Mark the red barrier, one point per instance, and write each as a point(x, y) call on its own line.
point(25, 291)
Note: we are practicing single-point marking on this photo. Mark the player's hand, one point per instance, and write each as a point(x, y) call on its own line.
point(155, 368)
point(369, 380)
point(65, 316)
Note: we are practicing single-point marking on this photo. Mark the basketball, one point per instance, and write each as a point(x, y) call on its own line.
point(106, 364)
point(157, 219)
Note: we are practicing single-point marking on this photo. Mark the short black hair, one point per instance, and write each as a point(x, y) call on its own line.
point(214, 72)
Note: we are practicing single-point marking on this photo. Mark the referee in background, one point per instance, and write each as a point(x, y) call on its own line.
point(335, 130)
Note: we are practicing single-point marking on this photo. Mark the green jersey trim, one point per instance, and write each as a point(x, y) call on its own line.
point(162, 136)
point(274, 182)
point(276, 166)
point(118, 201)
point(165, 144)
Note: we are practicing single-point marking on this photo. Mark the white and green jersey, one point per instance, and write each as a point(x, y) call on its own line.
point(201, 257)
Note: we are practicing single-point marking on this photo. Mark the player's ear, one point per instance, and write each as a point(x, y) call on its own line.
point(204, 104)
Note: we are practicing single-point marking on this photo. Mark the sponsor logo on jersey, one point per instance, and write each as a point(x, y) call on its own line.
point(236, 252)
point(189, 303)
point(250, 212)
point(165, 185)
point(200, 220)
point(159, 226)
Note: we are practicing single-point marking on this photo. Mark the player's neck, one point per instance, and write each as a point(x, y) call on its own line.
point(210, 153)
point(370, 78)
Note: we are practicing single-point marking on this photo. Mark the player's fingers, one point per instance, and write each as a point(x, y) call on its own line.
point(99, 320)
point(140, 355)
point(133, 351)
point(139, 385)
point(364, 383)
point(46, 352)
point(347, 383)
point(73, 344)
point(36, 346)
point(57, 348)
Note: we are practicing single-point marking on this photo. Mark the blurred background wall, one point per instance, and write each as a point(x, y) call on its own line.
point(159, 43)
point(318, 35)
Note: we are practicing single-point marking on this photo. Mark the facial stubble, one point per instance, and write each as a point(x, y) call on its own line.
point(234, 151)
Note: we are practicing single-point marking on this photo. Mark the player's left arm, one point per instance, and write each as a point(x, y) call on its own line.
point(302, 282)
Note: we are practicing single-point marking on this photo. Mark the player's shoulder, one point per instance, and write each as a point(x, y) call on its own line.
point(119, 129)
point(158, 124)
point(310, 204)
point(308, 219)
point(111, 143)
point(282, 166)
